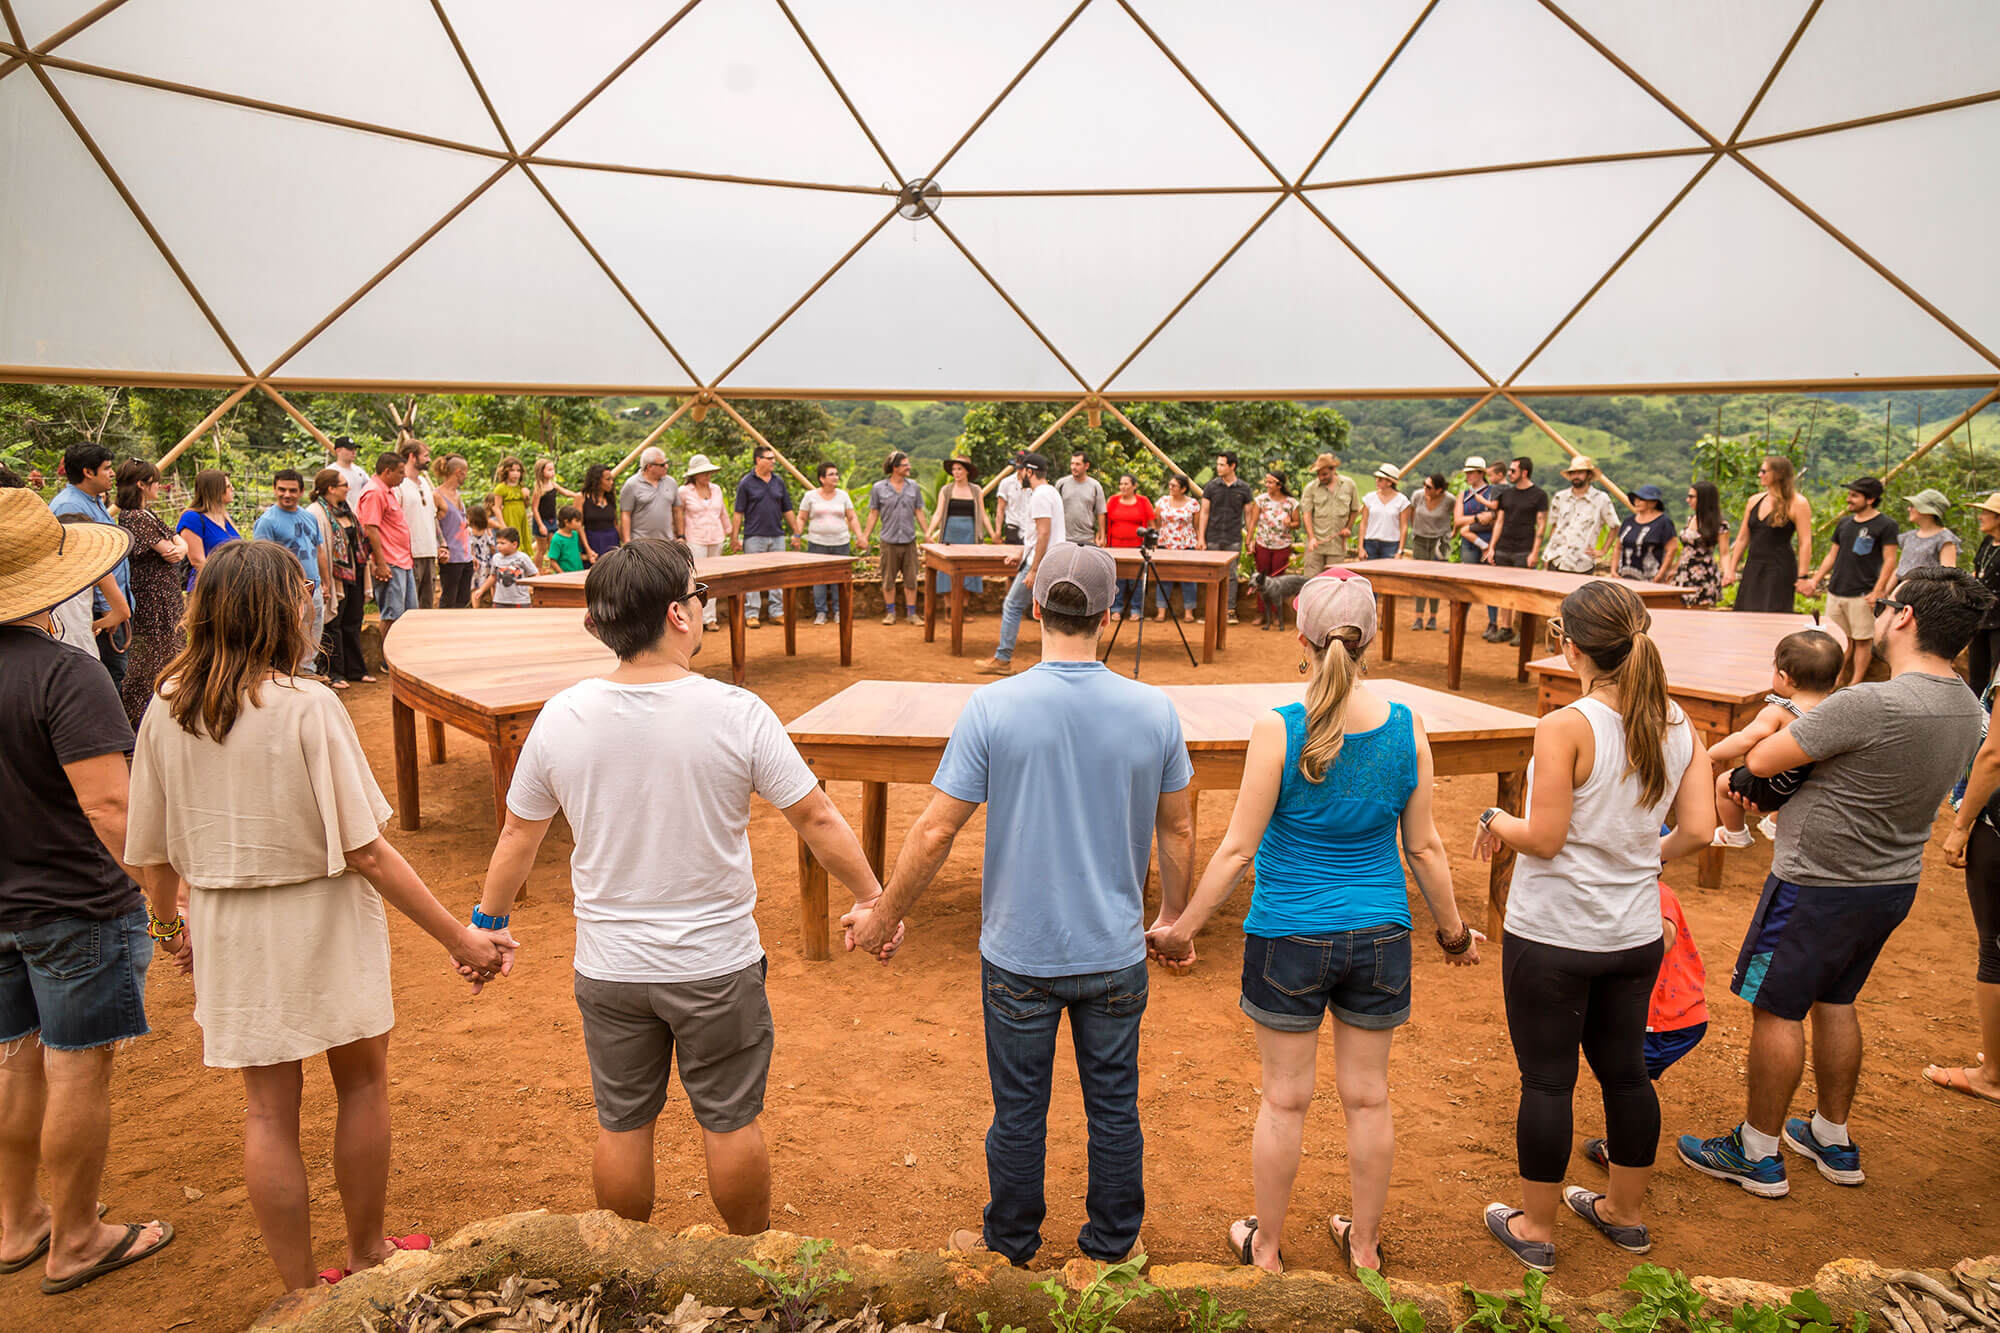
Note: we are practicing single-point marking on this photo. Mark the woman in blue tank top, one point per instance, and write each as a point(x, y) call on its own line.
point(1329, 787)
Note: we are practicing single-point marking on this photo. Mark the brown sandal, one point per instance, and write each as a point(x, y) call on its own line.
point(1340, 1238)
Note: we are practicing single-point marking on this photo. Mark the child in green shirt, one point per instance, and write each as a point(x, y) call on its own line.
point(566, 547)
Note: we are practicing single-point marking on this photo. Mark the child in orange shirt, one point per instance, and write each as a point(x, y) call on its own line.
point(1677, 1019)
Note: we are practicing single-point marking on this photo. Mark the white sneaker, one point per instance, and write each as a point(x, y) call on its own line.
point(1742, 837)
point(820, 618)
point(1768, 826)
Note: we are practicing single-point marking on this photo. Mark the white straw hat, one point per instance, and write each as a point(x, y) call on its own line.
point(700, 464)
point(1389, 471)
point(44, 561)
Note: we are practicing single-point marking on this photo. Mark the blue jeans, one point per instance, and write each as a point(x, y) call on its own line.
point(826, 596)
point(1019, 595)
point(1469, 554)
point(1022, 1015)
point(1375, 550)
point(1189, 592)
point(1237, 546)
point(1128, 602)
point(397, 595)
point(78, 981)
point(772, 598)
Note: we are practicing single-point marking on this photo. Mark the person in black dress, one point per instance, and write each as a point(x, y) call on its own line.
point(599, 504)
point(1769, 574)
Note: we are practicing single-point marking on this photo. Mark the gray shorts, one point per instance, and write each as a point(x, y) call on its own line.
point(722, 1027)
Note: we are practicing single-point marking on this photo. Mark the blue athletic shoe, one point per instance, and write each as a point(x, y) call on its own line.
point(1838, 1162)
point(1724, 1158)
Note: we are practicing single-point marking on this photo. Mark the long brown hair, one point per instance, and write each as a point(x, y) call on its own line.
point(1335, 673)
point(210, 485)
point(1608, 623)
point(1783, 477)
point(245, 619)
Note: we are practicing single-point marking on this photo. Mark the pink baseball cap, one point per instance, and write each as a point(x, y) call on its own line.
point(1337, 599)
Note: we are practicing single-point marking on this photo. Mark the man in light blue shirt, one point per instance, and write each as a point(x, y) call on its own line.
point(298, 532)
point(91, 476)
point(1080, 770)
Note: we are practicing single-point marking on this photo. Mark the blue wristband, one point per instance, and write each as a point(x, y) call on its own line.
point(485, 922)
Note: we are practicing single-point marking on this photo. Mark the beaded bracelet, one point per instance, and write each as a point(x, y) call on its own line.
point(1456, 946)
point(164, 930)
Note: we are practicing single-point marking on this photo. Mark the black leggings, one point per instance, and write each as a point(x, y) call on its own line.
point(1982, 886)
point(342, 638)
point(1557, 1001)
point(456, 576)
point(1981, 656)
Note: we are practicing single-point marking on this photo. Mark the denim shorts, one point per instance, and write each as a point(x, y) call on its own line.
point(1363, 976)
point(80, 982)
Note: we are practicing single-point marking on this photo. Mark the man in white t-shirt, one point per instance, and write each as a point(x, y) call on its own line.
point(343, 463)
point(1007, 504)
point(668, 962)
point(419, 503)
point(1039, 512)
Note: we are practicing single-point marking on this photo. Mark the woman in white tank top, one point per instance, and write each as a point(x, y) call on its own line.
point(1583, 933)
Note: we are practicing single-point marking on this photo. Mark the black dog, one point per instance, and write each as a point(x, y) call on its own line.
point(1275, 596)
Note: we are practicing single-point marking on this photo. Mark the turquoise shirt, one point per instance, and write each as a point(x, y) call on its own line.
point(1329, 860)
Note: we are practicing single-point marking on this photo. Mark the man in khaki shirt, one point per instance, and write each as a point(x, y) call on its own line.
point(1330, 504)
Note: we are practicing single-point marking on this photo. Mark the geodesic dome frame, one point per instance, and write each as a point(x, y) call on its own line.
point(1032, 199)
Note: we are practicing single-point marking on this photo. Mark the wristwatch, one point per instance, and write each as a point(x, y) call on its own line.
point(1486, 816)
point(485, 922)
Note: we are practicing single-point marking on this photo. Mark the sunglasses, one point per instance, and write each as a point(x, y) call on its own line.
point(699, 592)
point(1881, 604)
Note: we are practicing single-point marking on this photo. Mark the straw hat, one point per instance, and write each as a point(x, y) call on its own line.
point(1474, 464)
point(1579, 464)
point(700, 464)
point(1388, 472)
point(1991, 504)
point(43, 561)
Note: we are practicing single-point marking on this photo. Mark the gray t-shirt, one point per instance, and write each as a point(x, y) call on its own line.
point(1883, 756)
point(898, 509)
point(1082, 502)
point(1922, 550)
point(651, 507)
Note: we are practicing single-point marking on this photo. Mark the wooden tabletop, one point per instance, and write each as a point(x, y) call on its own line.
point(1473, 577)
point(718, 568)
point(1126, 556)
point(1720, 655)
point(496, 661)
point(1213, 717)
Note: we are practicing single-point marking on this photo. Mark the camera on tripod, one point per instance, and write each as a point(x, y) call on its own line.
point(1149, 539)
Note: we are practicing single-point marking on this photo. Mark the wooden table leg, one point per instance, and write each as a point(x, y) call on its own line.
point(738, 641)
point(791, 597)
point(815, 931)
point(503, 757)
point(875, 825)
point(434, 730)
point(1221, 603)
point(1385, 625)
point(1527, 629)
point(957, 617)
point(1455, 653)
point(403, 727)
point(1510, 796)
point(1708, 861)
point(847, 622)
point(930, 609)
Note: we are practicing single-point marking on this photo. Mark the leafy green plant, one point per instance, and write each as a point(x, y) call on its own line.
point(798, 1296)
point(1490, 1309)
point(1097, 1305)
point(1535, 1308)
point(1203, 1312)
point(1665, 1295)
point(986, 1325)
point(1489, 1312)
point(1404, 1315)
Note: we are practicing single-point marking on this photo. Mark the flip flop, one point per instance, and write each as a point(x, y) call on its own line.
point(1957, 1080)
point(416, 1240)
point(120, 1255)
point(16, 1265)
point(1340, 1238)
point(1242, 1252)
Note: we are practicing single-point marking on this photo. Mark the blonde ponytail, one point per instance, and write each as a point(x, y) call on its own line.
point(1334, 675)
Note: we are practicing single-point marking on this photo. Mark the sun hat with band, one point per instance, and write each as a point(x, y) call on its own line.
point(1991, 504)
point(1091, 570)
point(1335, 600)
point(43, 561)
point(700, 464)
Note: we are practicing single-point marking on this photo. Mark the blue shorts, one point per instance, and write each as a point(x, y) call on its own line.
point(80, 982)
point(1663, 1049)
point(1815, 945)
point(1363, 976)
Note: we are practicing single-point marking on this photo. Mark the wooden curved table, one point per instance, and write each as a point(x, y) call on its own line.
point(1532, 594)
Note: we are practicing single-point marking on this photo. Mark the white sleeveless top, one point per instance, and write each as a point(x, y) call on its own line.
point(1600, 893)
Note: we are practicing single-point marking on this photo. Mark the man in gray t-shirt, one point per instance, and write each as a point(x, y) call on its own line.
point(1850, 850)
point(1083, 503)
point(647, 502)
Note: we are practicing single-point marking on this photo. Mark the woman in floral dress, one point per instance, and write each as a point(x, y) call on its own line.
point(1704, 548)
point(1178, 516)
point(158, 570)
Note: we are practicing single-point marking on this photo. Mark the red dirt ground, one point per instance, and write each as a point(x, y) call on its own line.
point(877, 1066)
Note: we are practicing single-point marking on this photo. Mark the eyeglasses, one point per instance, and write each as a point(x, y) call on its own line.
point(1555, 632)
point(1881, 604)
point(699, 592)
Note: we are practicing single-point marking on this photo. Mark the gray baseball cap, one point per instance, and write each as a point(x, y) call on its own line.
point(1090, 568)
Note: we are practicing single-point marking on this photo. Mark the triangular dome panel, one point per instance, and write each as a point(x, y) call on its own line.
point(713, 263)
point(1293, 311)
point(1497, 258)
point(1738, 285)
point(382, 62)
point(1286, 71)
point(43, 19)
point(83, 286)
point(906, 310)
point(1487, 82)
point(1097, 272)
point(1103, 109)
point(1845, 65)
point(920, 73)
point(324, 210)
point(535, 70)
point(1709, 57)
point(1928, 247)
point(730, 90)
point(504, 294)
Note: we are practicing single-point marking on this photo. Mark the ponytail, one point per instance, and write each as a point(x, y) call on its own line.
point(1642, 690)
point(1334, 675)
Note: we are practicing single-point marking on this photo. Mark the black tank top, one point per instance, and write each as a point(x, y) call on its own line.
point(958, 508)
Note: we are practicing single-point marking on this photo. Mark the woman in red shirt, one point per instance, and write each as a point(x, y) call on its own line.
point(1124, 514)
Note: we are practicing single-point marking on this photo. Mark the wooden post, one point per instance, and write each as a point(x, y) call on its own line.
point(1463, 417)
point(403, 730)
point(1568, 448)
point(1157, 452)
point(1937, 439)
point(166, 460)
point(1041, 439)
point(757, 435)
point(658, 431)
point(300, 417)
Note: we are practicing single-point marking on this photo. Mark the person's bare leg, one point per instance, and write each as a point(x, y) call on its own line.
point(1777, 1062)
point(76, 1134)
point(739, 1178)
point(1361, 1073)
point(275, 1171)
point(1539, 1200)
point(24, 1096)
point(621, 1171)
point(1836, 1049)
point(1727, 813)
point(1625, 1197)
point(1860, 652)
point(1985, 1076)
point(361, 1145)
point(1291, 1067)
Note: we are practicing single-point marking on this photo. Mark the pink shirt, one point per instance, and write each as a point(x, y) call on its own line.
point(702, 517)
point(382, 507)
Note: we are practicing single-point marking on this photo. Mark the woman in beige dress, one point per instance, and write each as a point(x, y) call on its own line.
point(251, 785)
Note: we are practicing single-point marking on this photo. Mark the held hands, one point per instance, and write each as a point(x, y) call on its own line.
point(869, 933)
point(1954, 847)
point(1470, 958)
point(481, 955)
point(1168, 944)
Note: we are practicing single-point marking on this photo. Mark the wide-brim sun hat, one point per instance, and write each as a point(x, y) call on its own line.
point(1474, 464)
point(43, 561)
point(1389, 472)
point(971, 468)
point(1991, 504)
point(1579, 465)
point(700, 464)
point(1929, 501)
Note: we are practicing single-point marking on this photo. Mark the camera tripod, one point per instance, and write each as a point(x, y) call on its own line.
point(1148, 575)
